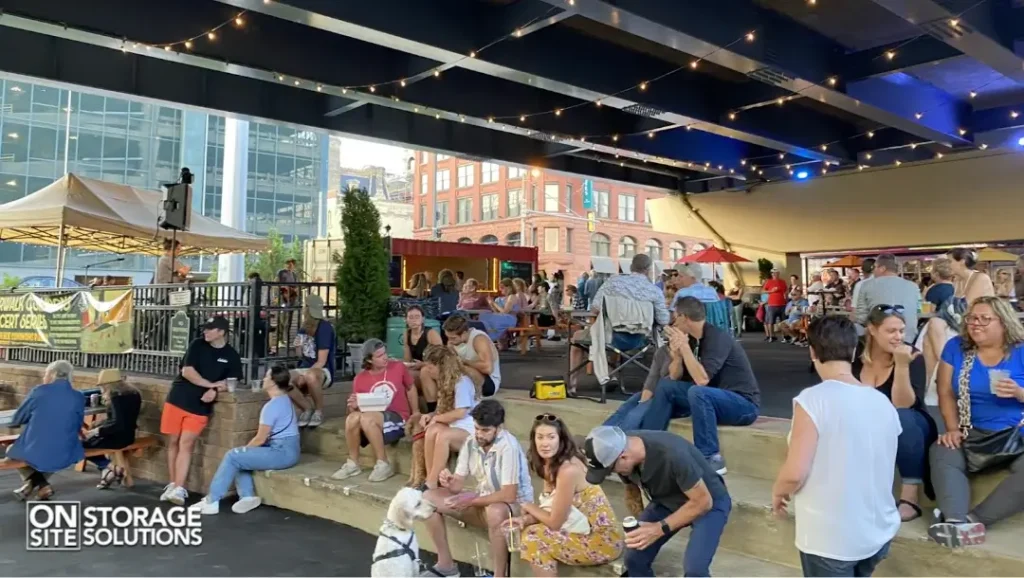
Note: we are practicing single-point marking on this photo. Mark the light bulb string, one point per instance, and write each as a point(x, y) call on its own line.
point(237, 19)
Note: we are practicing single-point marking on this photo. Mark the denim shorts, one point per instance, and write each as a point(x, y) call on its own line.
point(628, 341)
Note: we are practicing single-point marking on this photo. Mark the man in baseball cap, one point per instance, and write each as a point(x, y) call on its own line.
point(682, 489)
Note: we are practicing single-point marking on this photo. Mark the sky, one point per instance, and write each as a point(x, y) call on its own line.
point(357, 154)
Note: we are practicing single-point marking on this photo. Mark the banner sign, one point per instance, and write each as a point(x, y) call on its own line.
point(98, 321)
point(588, 194)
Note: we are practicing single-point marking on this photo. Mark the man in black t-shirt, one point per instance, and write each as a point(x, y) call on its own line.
point(682, 490)
point(208, 364)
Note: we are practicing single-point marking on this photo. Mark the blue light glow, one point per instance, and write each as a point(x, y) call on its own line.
point(803, 174)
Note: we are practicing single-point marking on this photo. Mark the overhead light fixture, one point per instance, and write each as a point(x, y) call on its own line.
point(973, 94)
point(890, 54)
point(750, 36)
point(867, 156)
point(802, 175)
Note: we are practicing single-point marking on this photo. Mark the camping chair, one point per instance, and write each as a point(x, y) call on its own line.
point(626, 358)
point(719, 314)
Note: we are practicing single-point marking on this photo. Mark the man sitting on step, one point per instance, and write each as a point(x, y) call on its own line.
point(478, 354)
point(497, 462)
point(717, 387)
point(682, 489)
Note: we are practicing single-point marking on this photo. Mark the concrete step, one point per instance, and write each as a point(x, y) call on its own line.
point(309, 489)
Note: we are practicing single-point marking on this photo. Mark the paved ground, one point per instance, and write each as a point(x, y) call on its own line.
point(264, 542)
point(781, 370)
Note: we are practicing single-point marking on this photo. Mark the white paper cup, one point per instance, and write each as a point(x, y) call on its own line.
point(232, 384)
point(995, 376)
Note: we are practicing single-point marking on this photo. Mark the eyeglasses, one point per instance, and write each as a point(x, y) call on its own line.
point(547, 418)
point(980, 321)
point(890, 309)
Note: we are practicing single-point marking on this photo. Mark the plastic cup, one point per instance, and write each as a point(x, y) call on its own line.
point(995, 376)
point(232, 384)
point(512, 539)
point(256, 385)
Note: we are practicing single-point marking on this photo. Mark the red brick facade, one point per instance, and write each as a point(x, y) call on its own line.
point(573, 250)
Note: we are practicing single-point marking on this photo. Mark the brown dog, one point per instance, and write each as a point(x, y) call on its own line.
point(418, 468)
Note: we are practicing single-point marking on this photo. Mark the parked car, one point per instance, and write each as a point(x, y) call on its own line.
point(43, 281)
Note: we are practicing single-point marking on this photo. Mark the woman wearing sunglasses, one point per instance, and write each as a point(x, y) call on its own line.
point(573, 523)
point(982, 404)
point(897, 370)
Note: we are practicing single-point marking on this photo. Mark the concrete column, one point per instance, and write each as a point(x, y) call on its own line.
point(232, 210)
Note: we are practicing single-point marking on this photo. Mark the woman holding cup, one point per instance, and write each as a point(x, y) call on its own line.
point(982, 402)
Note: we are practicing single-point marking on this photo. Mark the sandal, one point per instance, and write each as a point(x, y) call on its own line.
point(44, 493)
point(913, 506)
point(110, 476)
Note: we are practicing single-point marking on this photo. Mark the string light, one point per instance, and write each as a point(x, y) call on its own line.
point(962, 131)
point(750, 36)
point(403, 83)
point(918, 115)
point(954, 22)
point(973, 94)
point(211, 35)
point(239, 21)
point(732, 116)
point(188, 44)
point(1014, 114)
point(890, 54)
point(832, 81)
point(642, 86)
point(871, 134)
point(983, 146)
point(938, 155)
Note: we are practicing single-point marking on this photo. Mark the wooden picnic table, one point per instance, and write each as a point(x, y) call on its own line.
point(6, 416)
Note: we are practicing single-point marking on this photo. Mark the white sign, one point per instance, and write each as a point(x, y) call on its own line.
point(70, 526)
point(180, 298)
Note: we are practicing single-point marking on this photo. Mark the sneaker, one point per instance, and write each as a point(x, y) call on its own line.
point(178, 496)
point(25, 492)
point(381, 471)
point(244, 505)
point(767, 339)
point(304, 418)
point(206, 507)
point(954, 533)
point(316, 419)
point(349, 470)
point(434, 572)
point(718, 463)
point(166, 495)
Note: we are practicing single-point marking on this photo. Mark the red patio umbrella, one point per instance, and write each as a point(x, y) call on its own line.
point(713, 255)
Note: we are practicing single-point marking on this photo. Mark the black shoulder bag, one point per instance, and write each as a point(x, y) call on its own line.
point(984, 449)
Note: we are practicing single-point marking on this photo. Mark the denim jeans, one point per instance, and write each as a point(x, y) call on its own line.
point(630, 414)
point(239, 463)
point(912, 448)
point(708, 406)
point(705, 532)
point(818, 566)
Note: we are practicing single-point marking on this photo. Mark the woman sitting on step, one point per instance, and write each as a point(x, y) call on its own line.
point(448, 428)
point(573, 523)
point(124, 403)
point(274, 447)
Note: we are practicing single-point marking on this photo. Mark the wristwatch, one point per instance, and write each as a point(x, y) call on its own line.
point(665, 529)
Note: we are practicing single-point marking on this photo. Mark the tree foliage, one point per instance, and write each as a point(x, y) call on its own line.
point(269, 262)
point(10, 281)
point(362, 276)
point(764, 268)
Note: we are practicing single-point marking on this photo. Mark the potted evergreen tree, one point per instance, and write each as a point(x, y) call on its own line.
point(362, 276)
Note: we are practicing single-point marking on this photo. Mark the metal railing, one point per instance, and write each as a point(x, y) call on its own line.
point(263, 329)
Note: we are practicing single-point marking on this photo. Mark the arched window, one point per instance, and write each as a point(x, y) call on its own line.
point(600, 245)
point(676, 251)
point(627, 247)
point(698, 247)
point(654, 249)
point(488, 240)
point(513, 240)
point(465, 240)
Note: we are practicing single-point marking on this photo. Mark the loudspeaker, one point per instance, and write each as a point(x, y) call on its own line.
point(176, 209)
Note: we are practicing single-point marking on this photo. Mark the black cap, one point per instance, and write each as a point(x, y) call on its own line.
point(218, 322)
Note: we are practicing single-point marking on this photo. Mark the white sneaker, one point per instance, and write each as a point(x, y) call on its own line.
point(349, 470)
point(381, 471)
point(244, 505)
point(166, 495)
point(177, 496)
point(316, 419)
point(304, 418)
point(206, 507)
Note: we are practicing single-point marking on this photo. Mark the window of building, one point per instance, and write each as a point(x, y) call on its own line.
point(568, 240)
point(654, 249)
point(488, 240)
point(443, 180)
point(442, 214)
point(551, 197)
point(603, 202)
point(489, 207)
point(465, 210)
point(424, 157)
point(515, 173)
point(441, 157)
point(698, 248)
point(551, 239)
point(533, 201)
point(423, 215)
point(676, 251)
point(533, 237)
point(600, 245)
point(627, 207)
point(465, 176)
point(513, 240)
point(424, 183)
point(488, 173)
point(465, 240)
point(627, 247)
point(515, 202)
point(647, 214)
point(568, 198)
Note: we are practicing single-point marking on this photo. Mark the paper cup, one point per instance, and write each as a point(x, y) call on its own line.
point(995, 376)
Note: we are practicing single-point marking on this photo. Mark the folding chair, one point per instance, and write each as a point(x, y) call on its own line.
point(719, 314)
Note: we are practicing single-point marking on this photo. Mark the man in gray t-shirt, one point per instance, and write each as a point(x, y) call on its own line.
point(682, 490)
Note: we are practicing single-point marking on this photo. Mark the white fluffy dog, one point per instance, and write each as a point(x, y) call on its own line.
point(398, 553)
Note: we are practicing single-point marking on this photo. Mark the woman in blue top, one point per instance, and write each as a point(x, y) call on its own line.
point(274, 447)
point(992, 340)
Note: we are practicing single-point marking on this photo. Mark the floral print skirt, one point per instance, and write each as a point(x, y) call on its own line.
point(544, 547)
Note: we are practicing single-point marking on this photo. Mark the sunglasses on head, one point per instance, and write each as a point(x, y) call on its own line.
point(890, 309)
point(547, 418)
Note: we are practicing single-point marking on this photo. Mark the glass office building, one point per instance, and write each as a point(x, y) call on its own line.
point(46, 131)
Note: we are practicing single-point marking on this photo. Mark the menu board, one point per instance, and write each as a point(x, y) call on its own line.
point(513, 269)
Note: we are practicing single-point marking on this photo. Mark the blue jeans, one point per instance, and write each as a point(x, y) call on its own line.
point(630, 414)
point(708, 406)
point(818, 566)
point(705, 533)
point(912, 447)
point(239, 463)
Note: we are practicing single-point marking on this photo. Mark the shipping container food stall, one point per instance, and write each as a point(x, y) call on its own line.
point(488, 264)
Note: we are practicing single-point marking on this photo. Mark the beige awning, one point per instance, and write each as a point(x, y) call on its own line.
point(605, 265)
point(990, 255)
point(108, 217)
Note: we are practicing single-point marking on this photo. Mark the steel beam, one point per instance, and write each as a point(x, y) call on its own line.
point(971, 32)
point(72, 57)
point(787, 55)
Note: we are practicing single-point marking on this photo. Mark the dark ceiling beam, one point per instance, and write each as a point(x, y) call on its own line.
point(875, 61)
point(177, 78)
point(974, 33)
point(786, 54)
point(424, 40)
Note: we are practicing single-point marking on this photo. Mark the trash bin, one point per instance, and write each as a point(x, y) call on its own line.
point(396, 337)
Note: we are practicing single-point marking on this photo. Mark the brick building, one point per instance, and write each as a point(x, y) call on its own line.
point(491, 203)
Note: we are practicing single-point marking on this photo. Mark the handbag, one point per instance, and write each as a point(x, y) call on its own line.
point(984, 449)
